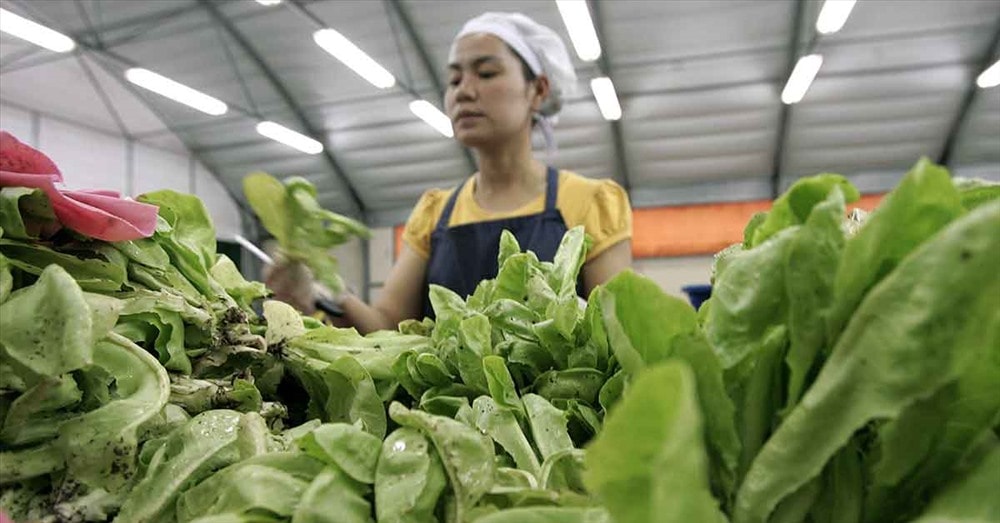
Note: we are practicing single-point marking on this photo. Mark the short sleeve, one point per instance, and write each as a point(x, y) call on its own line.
point(608, 219)
point(423, 219)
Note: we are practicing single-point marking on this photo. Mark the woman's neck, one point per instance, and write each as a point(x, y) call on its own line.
point(509, 169)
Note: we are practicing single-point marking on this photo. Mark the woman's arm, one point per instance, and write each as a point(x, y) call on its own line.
point(401, 297)
point(606, 265)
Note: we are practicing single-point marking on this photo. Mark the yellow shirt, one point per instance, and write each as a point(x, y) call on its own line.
point(601, 206)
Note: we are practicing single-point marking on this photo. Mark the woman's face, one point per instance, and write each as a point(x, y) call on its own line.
point(488, 98)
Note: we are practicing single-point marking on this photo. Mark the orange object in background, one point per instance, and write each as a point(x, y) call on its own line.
point(659, 232)
point(398, 234)
point(868, 202)
point(688, 230)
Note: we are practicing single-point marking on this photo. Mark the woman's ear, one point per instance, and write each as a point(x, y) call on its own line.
point(541, 92)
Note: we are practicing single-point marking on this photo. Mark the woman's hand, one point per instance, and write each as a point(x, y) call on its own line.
point(292, 282)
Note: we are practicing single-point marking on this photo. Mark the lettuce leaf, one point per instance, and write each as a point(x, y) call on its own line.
point(656, 428)
point(911, 336)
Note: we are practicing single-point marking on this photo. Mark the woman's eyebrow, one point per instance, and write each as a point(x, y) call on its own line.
point(476, 62)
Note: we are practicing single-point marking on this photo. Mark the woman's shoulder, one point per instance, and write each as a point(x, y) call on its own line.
point(434, 198)
point(601, 206)
point(578, 189)
point(424, 218)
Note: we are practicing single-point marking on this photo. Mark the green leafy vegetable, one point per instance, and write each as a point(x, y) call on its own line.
point(909, 336)
point(409, 479)
point(656, 428)
point(304, 230)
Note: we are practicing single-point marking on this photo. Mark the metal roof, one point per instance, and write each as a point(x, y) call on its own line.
point(699, 83)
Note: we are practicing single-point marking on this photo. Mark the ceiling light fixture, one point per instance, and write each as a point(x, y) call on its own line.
point(607, 98)
point(176, 91)
point(427, 112)
point(293, 139)
point(576, 17)
point(833, 15)
point(990, 77)
point(352, 56)
point(38, 34)
point(801, 78)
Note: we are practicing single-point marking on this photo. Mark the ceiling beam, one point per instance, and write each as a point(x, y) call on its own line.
point(951, 139)
point(426, 61)
point(338, 172)
point(604, 63)
point(785, 110)
point(109, 105)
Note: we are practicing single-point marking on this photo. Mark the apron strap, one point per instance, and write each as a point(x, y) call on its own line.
point(442, 223)
point(551, 188)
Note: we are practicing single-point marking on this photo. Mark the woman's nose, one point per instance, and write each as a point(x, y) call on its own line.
point(466, 89)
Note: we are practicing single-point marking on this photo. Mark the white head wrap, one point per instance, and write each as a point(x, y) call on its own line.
point(543, 51)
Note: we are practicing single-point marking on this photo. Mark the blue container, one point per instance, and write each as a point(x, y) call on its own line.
point(697, 293)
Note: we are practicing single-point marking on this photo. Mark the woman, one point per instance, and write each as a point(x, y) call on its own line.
point(506, 74)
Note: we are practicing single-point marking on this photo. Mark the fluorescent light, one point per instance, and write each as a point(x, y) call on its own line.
point(990, 77)
point(435, 118)
point(607, 99)
point(344, 50)
point(176, 91)
point(833, 15)
point(34, 32)
point(801, 78)
point(576, 17)
point(268, 2)
point(280, 133)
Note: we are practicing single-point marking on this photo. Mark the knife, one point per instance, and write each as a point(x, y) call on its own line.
point(322, 304)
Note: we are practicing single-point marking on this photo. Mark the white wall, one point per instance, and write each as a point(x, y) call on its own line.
point(673, 273)
point(382, 247)
point(92, 159)
point(17, 122)
point(351, 258)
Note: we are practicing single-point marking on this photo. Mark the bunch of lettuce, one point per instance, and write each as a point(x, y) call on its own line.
point(863, 364)
point(479, 414)
point(305, 231)
point(99, 336)
point(76, 399)
point(181, 300)
point(845, 370)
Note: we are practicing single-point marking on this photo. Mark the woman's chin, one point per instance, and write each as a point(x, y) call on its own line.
point(471, 138)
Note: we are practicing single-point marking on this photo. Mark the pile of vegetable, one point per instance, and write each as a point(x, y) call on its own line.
point(842, 371)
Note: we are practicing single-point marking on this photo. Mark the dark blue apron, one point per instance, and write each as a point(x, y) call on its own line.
point(464, 255)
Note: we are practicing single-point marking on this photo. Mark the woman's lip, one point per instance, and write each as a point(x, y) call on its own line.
point(468, 115)
point(467, 121)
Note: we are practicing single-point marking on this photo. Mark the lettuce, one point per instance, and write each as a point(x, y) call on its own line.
point(910, 336)
point(305, 231)
point(845, 370)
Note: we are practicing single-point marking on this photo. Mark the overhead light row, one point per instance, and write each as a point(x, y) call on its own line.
point(212, 106)
point(832, 17)
point(580, 26)
point(328, 39)
point(19, 26)
point(990, 77)
point(575, 14)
